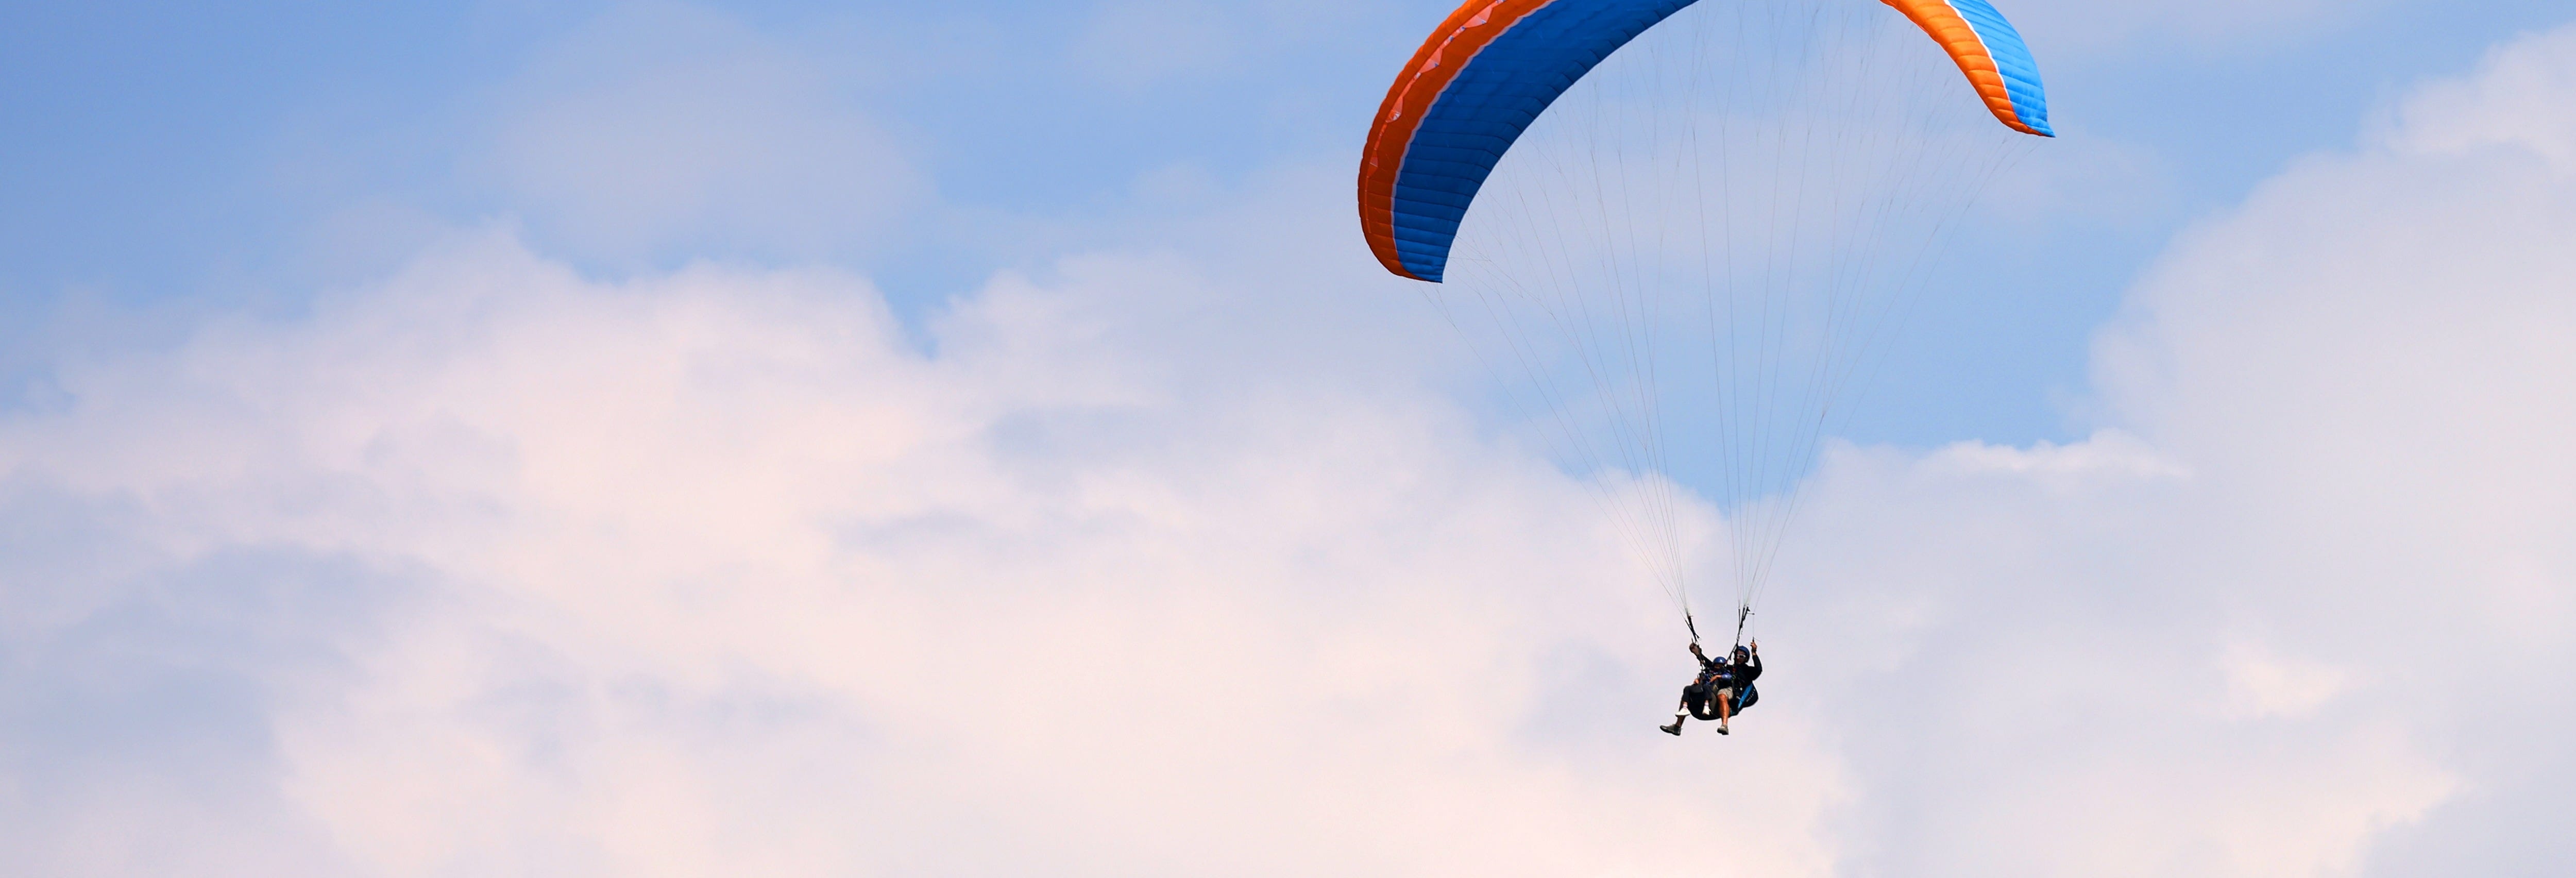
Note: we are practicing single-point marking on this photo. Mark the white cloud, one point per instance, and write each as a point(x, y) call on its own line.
point(2262, 684)
point(2303, 612)
point(1143, 568)
point(2514, 104)
point(714, 573)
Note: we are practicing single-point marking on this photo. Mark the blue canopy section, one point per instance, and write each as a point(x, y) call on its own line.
point(1490, 102)
point(2012, 59)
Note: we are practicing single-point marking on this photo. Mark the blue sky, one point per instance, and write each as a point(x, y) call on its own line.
point(171, 156)
point(827, 439)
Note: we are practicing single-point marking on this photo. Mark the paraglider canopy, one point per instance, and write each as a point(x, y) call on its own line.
point(1488, 71)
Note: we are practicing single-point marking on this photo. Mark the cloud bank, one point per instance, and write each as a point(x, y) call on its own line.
point(494, 568)
point(715, 572)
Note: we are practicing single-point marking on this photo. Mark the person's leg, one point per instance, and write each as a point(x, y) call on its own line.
point(1687, 707)
point(1725, 708)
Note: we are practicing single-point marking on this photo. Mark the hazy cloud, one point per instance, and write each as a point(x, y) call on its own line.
point(2203, 24)
point(661, 128)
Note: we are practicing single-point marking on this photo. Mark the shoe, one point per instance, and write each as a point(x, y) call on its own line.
point(1720, 730)
point(1674, 729)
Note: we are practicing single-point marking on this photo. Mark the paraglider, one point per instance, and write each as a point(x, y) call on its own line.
point(1691, 226)
point(1723, 688)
